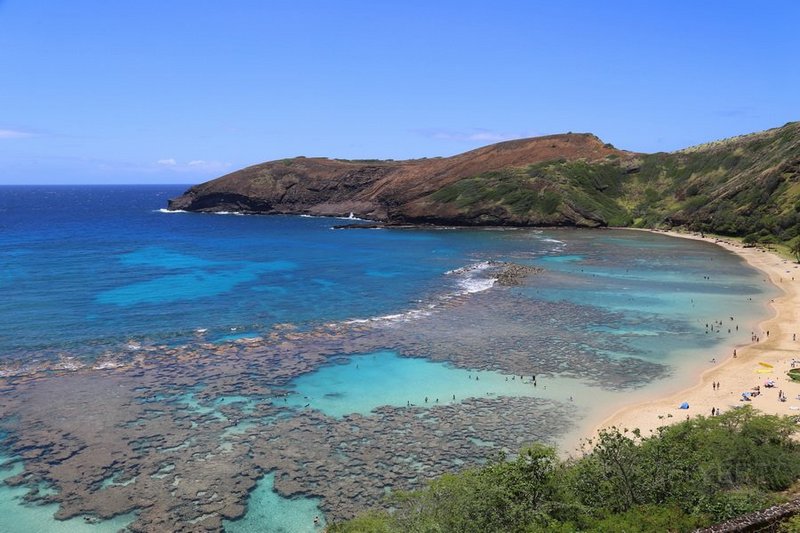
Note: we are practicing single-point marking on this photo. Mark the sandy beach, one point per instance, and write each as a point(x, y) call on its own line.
point(748, 369)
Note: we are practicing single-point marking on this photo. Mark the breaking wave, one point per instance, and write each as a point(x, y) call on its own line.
point(471, 279)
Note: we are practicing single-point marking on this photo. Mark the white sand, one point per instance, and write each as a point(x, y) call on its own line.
point(739, 374)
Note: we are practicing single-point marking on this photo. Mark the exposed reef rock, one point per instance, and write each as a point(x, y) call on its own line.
point(512, 274)
point(181, 434)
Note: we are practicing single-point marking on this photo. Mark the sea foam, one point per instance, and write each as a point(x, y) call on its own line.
point(472, 278)
point(471, 281)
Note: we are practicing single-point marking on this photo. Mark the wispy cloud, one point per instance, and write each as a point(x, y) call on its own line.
point(474, 135)
point(14, 134)
point(734, 112)
point(194, 165)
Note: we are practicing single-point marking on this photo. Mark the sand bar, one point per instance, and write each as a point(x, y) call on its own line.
point(742, 373)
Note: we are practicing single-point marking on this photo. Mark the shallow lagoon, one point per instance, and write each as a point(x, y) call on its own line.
point(270, 512)
point(362, 383)
point(17, 516)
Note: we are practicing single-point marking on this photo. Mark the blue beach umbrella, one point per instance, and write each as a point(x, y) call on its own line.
point(684, 405)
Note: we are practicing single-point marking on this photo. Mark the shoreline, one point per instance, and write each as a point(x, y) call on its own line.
point(738, 374)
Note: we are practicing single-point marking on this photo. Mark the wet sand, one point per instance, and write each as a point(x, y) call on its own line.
point(739, 374)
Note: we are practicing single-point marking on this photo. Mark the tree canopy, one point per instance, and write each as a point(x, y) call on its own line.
point(684, 476)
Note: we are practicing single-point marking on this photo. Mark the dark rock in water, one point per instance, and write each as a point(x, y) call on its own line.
point(359, 226)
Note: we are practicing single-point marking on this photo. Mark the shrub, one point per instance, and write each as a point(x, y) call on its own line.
point(683, 477)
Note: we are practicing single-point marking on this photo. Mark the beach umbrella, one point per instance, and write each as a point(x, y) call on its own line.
point(684, 405)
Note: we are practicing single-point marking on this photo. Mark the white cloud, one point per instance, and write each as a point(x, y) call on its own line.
point(167, 162)
point(14, 134)
point(492, 136)
point(197, 162)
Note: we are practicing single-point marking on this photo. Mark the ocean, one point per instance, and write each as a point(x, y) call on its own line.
point(177, 370)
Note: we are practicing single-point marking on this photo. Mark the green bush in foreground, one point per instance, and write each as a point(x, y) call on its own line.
point(682, 477)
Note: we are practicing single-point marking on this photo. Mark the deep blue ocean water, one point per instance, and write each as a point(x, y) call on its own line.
point(102, 265)
point(86, 271)
point(88, 268)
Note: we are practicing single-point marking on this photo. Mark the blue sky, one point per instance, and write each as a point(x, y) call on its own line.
point(184, 91)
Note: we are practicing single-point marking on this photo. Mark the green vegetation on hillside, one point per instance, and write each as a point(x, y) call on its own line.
point(685, 476)
point(746, 187)
point(540, 191)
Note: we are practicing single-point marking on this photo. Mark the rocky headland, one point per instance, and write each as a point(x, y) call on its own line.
point(742, 186)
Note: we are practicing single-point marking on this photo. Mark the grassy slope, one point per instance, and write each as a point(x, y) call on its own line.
point(740, 186)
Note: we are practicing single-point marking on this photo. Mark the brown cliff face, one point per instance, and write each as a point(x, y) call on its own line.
point(390, 191)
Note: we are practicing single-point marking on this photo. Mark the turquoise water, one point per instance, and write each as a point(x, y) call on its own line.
point(16, 516)
point(368, 381)
point(270, 512)
point(91, 271)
